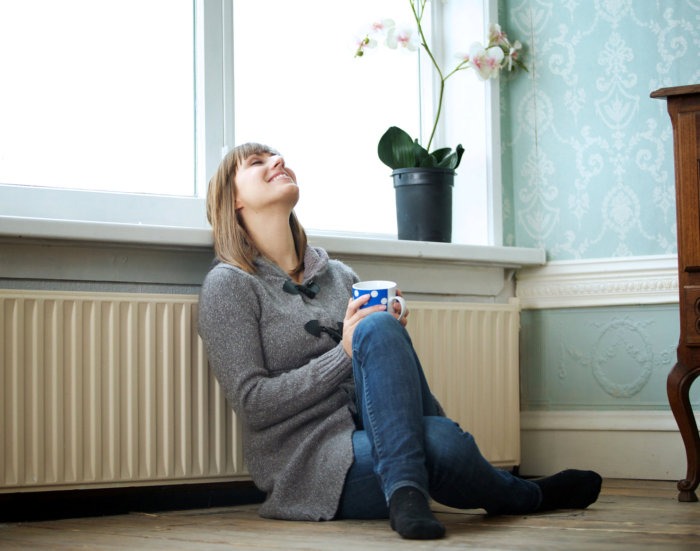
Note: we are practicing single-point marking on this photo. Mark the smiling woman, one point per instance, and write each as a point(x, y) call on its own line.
point(262, 179)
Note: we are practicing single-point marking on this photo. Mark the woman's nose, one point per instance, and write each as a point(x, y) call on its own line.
point(277, 160)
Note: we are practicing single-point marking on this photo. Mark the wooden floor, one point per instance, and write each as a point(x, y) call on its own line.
point(629, 515)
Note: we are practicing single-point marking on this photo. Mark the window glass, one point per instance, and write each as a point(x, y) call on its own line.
point(299, 88)
point(98, 95)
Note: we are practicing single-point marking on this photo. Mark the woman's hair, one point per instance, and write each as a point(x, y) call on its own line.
point(232, 243)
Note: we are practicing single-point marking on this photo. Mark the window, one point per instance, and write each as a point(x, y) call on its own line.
point(102, 97)
point(98, 95)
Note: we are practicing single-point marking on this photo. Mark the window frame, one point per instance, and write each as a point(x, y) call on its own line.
point(214, 129)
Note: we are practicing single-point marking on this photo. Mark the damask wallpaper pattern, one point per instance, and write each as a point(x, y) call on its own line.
point(587, 154)
point(598, 358)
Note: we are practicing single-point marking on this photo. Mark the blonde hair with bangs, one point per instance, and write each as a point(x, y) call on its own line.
point(232, 242)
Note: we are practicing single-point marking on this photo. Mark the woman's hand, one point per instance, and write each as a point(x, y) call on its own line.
point(397, 309)
point(353, 315)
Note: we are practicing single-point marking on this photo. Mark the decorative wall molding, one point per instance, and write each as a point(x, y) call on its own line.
point(599, 282)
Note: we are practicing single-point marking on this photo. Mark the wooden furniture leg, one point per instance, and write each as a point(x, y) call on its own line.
point(678, 386)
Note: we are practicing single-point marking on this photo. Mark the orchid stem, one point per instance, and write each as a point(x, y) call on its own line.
point(418, 16)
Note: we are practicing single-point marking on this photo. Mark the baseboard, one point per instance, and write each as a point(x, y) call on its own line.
point(617, 444)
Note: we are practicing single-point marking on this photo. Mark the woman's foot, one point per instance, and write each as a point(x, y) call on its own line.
point(569, 489)
point(411, 517)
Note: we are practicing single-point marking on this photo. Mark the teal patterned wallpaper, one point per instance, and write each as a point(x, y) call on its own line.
point(599, 358)
point(588, 156)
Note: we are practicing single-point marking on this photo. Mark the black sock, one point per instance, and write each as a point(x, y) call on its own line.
point(411, 516)
point(570, 489)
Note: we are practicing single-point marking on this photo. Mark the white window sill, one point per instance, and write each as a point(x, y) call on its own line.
point(126, 253)
point(170, 236)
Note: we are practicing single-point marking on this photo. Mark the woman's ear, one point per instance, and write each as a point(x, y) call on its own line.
point(237, 205)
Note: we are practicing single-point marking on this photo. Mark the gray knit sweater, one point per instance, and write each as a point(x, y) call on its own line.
point(291, 390)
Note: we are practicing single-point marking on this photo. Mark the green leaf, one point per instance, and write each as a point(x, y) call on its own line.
point(449, 162)
point(419, 154)
point(440, 154)
point(428, 161)
point(453, 159)
point(460, 152)
point(396, 149)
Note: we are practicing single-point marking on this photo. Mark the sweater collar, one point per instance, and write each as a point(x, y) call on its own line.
point(315, 263)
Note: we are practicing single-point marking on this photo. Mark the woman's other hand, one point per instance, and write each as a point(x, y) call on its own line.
point(353, 315)
point(397, 309)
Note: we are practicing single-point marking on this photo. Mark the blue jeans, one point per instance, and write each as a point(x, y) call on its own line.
point(403, 441)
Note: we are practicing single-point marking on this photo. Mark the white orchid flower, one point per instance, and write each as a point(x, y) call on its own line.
point(486, 61)
point(497, 36)
point(404, 38)
point(513, 54)
point(382, 27)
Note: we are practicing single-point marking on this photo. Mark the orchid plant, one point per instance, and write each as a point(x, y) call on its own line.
point(396, 148)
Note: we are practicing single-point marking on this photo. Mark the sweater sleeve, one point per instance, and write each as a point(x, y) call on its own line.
point(229, 324)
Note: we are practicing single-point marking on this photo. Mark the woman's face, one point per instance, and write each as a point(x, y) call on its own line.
point(263, 180)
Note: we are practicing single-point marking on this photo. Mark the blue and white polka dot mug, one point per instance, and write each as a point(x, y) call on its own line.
point(381, 292)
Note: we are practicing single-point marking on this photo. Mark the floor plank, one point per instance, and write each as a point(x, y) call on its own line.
point(629, 515)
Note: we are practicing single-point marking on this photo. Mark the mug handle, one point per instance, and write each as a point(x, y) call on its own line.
point(401, 301)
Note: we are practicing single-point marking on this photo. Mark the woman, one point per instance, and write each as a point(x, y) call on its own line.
point(338, 420)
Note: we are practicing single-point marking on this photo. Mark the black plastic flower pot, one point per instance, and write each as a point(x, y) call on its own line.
point(424, 203)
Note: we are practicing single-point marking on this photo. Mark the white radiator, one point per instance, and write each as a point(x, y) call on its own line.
point(112, 389)
point(470, 354)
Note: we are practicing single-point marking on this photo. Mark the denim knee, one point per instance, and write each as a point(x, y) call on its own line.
point(380, 325)
point(446, 444)
point(377, 322)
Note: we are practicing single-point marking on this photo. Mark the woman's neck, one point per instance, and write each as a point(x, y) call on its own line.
point(273, 238)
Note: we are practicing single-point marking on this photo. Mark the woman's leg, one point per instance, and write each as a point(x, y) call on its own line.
point(392, 397)
point(461, 477)
point(362, 496)
point(412, 446)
